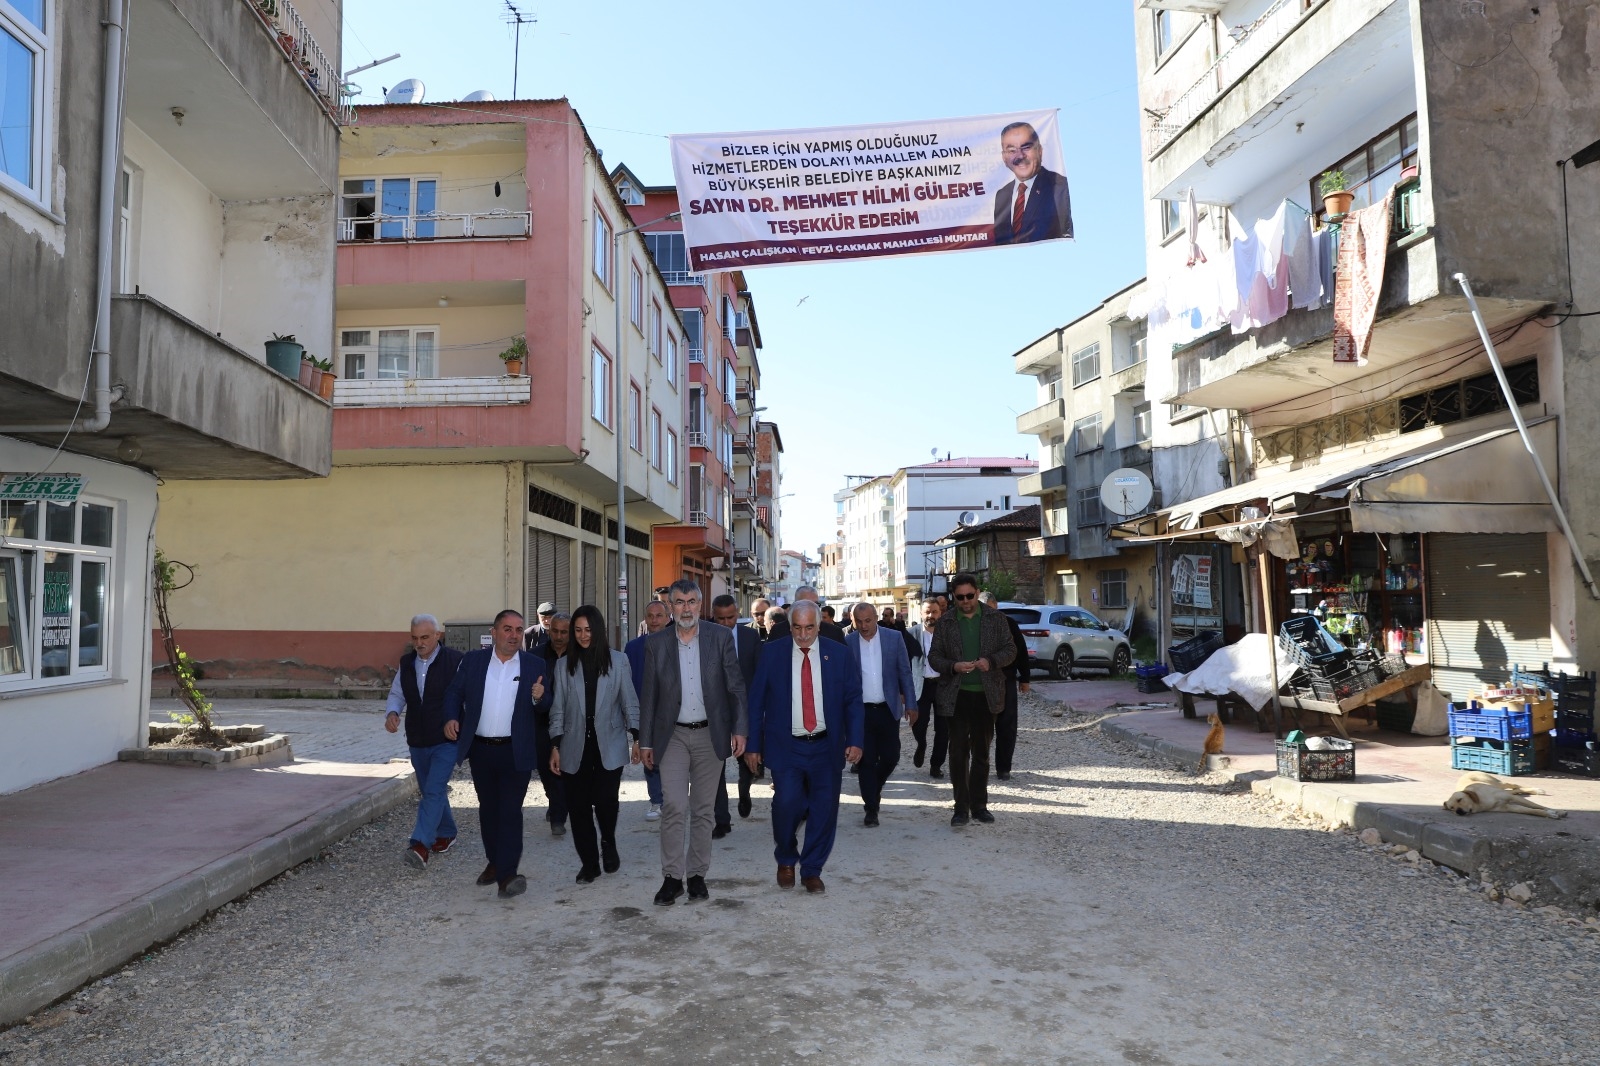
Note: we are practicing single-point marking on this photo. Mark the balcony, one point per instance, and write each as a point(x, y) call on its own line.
point(697, 355)
point(681, 277)
point(440, 226)
point(1289, 95)
point(434, 392)
point(1043, 483)
point(1040, 547)
point(744, 503)
point(1043, 418)
point(694, 438)
point(300, 48)
point(699, 518)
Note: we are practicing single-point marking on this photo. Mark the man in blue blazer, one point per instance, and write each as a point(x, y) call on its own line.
point(489, 712)
point(887, 694)
point(805, 723)
point(1036, 206)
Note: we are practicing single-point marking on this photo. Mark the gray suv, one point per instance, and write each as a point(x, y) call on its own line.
point(1063, 639)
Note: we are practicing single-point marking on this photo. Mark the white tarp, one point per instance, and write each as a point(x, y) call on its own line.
point(1241, 668)
point(854, 192)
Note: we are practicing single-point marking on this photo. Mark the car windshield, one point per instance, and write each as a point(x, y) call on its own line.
point(1025, 616)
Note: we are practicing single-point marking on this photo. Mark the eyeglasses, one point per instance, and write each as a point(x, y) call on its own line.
point(963, 599)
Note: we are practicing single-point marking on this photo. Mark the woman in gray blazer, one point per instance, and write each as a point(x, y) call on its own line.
point(594, 729)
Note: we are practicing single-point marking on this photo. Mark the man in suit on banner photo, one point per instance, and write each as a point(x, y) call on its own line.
point(1035, 206)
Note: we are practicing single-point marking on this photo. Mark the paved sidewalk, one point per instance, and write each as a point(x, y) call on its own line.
point(107, 862)
point(1401, 781)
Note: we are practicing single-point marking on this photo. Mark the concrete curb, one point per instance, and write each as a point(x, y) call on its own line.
point(1182, 758)
point(39, 975)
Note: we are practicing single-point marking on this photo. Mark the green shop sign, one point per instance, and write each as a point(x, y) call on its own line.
point(54, 488)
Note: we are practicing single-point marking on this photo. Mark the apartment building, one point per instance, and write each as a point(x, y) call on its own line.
point(1418, 520)
point(1093, 418)
point(766, 530)
point(461, 484)
point(150, 240)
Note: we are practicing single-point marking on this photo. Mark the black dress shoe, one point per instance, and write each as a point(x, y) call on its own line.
point(1004, 775)
point(721, 831)
point(916, 758)
point(959, 818)
point(744, 807)
point(697, 889)
point(609, 858)
point(587, 875)
point(984, 816)
point(935, 772)
point(871, 819)
point(558, 829)
point(671, 889)
point(488, 877)
point(513, 886)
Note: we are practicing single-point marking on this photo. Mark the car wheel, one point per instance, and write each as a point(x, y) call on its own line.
point(1061, 665)
point(1121, 660)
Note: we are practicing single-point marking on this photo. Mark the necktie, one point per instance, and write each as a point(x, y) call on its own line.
point(1017, 208)
point(808, 698)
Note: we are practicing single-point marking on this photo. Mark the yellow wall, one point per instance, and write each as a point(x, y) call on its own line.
point(470, 338)
point(364, 549)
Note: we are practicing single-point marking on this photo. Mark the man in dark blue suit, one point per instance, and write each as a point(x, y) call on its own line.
point(1036, 206)
point(805, 723)
point(747, 645)
point(489, 712)
point(656, 618)
point(887, 694)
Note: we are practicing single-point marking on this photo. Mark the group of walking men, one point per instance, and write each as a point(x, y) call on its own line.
point(797, 698)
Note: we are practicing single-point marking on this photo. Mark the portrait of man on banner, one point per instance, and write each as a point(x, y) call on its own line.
point(1035, 205)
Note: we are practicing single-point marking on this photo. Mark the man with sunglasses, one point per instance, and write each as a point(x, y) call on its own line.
point(970, 651)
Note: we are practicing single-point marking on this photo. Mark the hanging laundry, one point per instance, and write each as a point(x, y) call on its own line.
point(1305, 282)
point(1271, 265)
point(1363, 248)
point(1191, 222)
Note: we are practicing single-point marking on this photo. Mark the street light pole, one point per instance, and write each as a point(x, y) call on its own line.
point(619, 369)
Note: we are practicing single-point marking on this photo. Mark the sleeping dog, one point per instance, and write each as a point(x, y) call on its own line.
point(1478, 792)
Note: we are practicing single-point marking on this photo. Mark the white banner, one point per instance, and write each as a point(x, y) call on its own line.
point(855, 192)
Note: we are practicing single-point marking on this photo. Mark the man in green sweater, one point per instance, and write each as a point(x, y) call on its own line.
point(971, 647)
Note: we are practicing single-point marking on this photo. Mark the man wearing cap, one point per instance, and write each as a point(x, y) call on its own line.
point(540, 634)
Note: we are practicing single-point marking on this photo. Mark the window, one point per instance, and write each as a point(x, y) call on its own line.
point(672, 457)
point(727, 380)
point(25, 44)
point(1113, 588)
point(1163, 33)
point(693, 323)
point(55, 582)
point(125, 282)
point(1086, 434)
point(1141, 423)
point(1089, 513)
point(636, 297)
point(1085, 365)
point(600, 387)
point(635, 418)
point(1171, 218)
point(386, 354)
point(602, 247)
point(1375, 167)
point(628, 194)
point(671, 254)
point(390, 209)
point(672, 360)
point(655, 328)
point(655, 437)
point(1131, 352)
point(697, 410)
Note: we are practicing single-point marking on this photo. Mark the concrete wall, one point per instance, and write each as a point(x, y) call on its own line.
point(178, 255)
point(278, 272)
point(50, 730)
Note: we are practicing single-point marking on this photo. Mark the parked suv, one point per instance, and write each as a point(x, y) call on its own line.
point(1063, 639)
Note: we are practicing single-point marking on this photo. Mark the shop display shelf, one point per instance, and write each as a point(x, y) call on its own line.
point(1489, 723)
point(1194, 651)
point(1507, 758)
point(1302, 764)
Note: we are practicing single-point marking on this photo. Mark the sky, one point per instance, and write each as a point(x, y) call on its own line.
point(871, 365)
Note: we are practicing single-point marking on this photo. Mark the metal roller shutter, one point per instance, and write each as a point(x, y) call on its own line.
point(591, 573)
point(1488, 607)
point(549, 573)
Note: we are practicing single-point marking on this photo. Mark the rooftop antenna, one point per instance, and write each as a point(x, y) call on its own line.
point(514, 17)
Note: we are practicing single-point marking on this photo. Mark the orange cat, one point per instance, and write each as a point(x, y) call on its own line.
point(1213, 744)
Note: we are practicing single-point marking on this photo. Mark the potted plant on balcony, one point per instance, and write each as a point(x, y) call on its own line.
point(308, 371)
point(1336, 194)
point(325, 385)
point(283, 355)
point(515, 355)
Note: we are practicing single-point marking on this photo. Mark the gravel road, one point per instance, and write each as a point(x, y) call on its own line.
point(1116, 912)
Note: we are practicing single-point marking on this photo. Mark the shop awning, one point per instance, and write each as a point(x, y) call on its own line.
point(1416, 483)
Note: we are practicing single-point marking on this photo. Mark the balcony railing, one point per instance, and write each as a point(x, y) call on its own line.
point(699, 518)
point(695, 439)
point(436, 226)
point(697, 355)
point(682, 277)
point(298, 45)
point(1250, 46)
point(433, 392)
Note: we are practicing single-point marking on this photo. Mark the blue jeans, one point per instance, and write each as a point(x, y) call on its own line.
point(433, 765)
point(652, 784)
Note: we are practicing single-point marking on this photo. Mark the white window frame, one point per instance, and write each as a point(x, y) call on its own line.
point(409, 227)
point(369, 352)
point(655, 328)
point(1080, 359)
point(672, 457)
point(41, 42)
point(635, 417)
point(1143, 422)
point(655, 437)
point(671, 360)
point(29, 553)
point(602, 247)
point(636, 296)
point(1095, 421)
point(600, 370)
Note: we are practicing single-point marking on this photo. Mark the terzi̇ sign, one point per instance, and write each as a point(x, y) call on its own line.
point(54, 488)
point(855, 192)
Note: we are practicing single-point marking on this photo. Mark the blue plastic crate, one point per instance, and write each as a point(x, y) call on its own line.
point(1490, 723)
point(1496, 757)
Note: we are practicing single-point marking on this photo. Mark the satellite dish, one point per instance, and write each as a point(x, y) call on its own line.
point(883, 542)
point(1126, 491)
point(407, 92)
point(478, 97)
point(966, 518)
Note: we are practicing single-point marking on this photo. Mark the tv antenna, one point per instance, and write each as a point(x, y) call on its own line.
point(515, 18)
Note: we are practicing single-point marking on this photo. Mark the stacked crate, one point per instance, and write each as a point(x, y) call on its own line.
point(1496, 739)
point(1574, 743)
point(1150, 677)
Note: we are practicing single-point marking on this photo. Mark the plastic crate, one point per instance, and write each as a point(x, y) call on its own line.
point(1331, 686)
point(1575, 759)
point(1156, 670)
point(1194, 651)
point(1574, 722)
point(1302, 764)
point(1392, 665)
point(1489, 723)
point(1149, 686)
point(1507, 758)
point(1396, 717)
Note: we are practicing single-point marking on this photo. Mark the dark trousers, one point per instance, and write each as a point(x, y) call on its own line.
point(554, 796)
point(880, 752)
point(721, 806)
point(591, 796)
point(926, 717)
point(971, 728)
point(501, 788)
point(1005, 730)
point(808, 789)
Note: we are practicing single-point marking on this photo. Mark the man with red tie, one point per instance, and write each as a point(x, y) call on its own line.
point(1034, 207)
point(806, 722)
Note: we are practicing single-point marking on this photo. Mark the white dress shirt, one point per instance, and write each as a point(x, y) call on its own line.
point(927, 646)
point(692, 707)
point(397, 694)
point(872, 670)
point(499, 695)
point(797, 719)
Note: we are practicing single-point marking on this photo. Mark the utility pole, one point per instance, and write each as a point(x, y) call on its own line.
point(516, 19)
